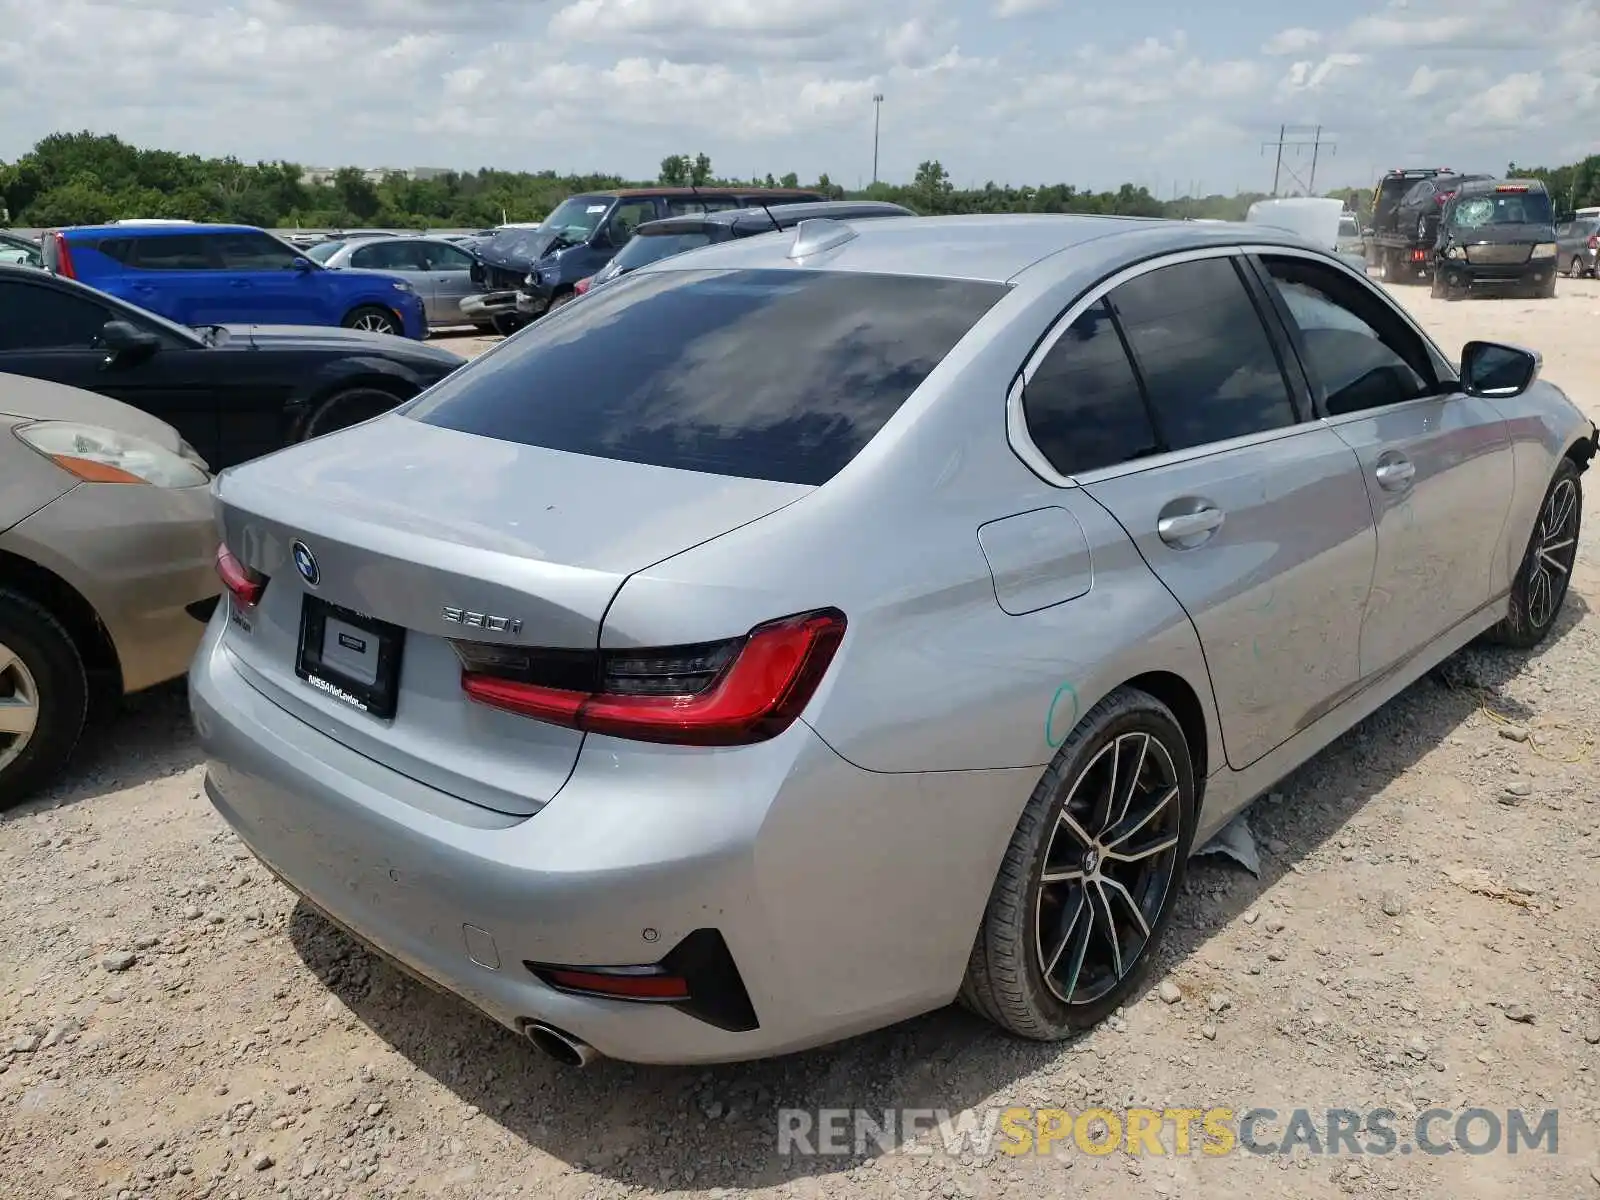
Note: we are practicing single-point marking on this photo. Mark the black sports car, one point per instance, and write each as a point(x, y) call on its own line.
point(234, 392)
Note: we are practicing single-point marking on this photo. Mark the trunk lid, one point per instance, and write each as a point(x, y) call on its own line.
point(448, 535)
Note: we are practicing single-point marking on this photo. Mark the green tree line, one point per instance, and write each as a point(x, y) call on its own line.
point(85, 178)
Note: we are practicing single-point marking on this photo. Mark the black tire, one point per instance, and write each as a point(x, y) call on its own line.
point(60, 690)
point(344, 409)
point(374, 319)
point(485, 327)
point(1576, 269)
point(1540, 588)
point(1007, 980)
point(561, 298)
point(1546, 291)
point(508, 323)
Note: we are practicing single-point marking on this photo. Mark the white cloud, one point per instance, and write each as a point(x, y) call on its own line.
point(1005, 9)
point(1306, 75)
point(1292, 41)
point(779, 85)
point(1426, 80)
point(1507, 104)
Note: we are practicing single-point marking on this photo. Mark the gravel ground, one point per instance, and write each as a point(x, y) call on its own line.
point(173, 1023)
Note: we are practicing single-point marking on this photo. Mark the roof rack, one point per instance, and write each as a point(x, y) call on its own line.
point(817, 234)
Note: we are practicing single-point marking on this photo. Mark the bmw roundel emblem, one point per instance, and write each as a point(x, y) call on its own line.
point(306, 563)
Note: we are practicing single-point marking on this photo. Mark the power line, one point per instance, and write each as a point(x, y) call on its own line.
point(1295, 137)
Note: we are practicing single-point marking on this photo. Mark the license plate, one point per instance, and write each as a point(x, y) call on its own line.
point(353, 658)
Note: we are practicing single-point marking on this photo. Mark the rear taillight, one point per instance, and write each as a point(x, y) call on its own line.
point(243, 584)
point(1594, 242)
point(63, 266)
point(581, 286)
point(725, 693)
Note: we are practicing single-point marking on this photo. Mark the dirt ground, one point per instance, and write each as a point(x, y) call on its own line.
point(1422, 935)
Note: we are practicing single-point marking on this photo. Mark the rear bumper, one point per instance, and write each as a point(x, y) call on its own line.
point(847, 899)
point(141, 556)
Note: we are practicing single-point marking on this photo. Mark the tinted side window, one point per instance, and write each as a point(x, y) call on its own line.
point(176, 252)
point(441, 256)
point(1358, 353)
point(253, 252)
point(389, 256)
point(1083, 405)
point(781, 375)
point(628, 216)
point(687, 206)
point(45, 318)
point(1207, 364)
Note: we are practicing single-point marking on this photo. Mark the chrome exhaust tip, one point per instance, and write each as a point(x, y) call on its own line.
point(559, 1045)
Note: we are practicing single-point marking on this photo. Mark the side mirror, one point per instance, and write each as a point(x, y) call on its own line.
point(126, 343)
point(302, 264)
point(1496, 371)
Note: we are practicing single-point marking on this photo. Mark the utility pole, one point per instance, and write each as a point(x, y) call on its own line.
point(1295, 137)
point(877, 114)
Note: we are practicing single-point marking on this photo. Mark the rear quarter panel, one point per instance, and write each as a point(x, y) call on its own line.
point(933, 674)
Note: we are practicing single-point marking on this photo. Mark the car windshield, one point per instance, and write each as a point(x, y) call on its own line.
point(576, 217)
point(649, 248)
point(1501, 208)
point(762, 374)
point(323, 251)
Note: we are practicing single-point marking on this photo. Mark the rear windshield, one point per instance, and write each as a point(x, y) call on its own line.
point(780, 375)
point(642, 249)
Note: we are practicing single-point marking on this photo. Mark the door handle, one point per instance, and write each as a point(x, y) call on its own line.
point(1182, 527)
point(1395, 474)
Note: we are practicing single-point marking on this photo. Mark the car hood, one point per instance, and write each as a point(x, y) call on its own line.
point(335, 339)
point(23, 399)
point(516, 251)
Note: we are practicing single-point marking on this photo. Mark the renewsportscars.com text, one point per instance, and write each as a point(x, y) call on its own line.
point(1212, 1131)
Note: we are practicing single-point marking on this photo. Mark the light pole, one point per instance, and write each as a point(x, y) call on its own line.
point(877, 113)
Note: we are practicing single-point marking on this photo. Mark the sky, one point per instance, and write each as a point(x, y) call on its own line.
point(1153, 92)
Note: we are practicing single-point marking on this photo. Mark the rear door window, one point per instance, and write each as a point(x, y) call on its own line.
point(174, 252)
point(780, 375)
point(391, 256)
point(1084, 407)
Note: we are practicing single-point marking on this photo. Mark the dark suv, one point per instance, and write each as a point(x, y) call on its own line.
point(1499, 235)
point(656, 240)
point(579, 238)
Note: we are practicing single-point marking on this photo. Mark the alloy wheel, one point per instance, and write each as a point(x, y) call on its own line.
point(1108, 866)
point(1555, 548)
point(19, 706)
point(374, 323)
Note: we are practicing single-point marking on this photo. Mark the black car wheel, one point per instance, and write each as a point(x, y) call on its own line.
point(560, 299)
point(1540, 588)
point(373, 319)
point(44, 697)
point(1575, 269)
point(1091, 876)
point(344, 409)
point(508, 323)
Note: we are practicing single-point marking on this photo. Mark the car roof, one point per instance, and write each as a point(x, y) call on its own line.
point(838, 210)
point(147, 231)
point(719, 192)
point(1488, 183)
point(994, 248)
